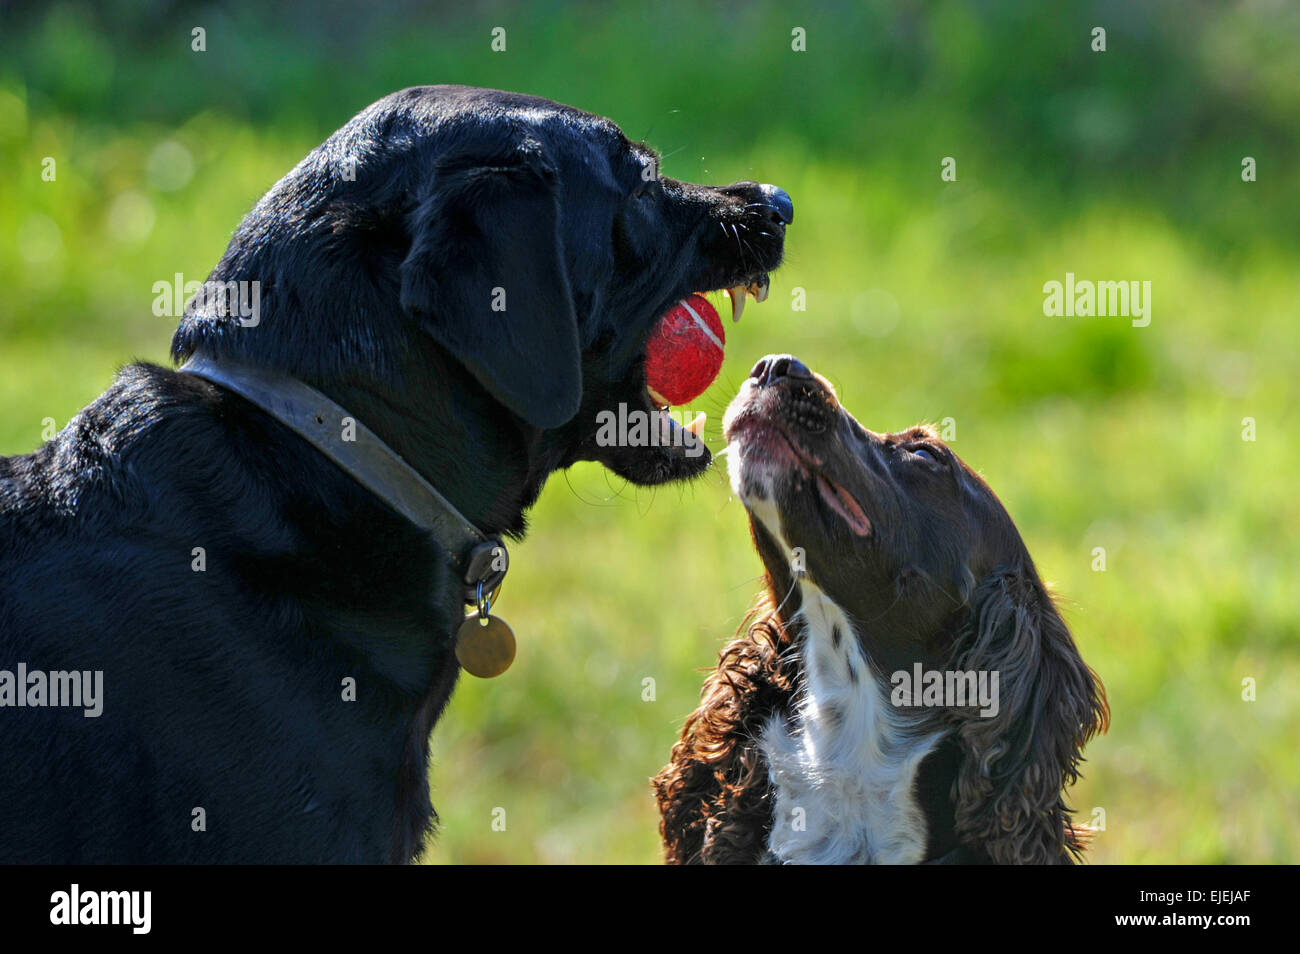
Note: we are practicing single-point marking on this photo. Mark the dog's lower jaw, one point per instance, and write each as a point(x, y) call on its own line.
point(648, 465)
point(844, 766)
point(656, 469)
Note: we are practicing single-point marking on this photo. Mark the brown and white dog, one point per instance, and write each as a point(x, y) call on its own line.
point(905, 691)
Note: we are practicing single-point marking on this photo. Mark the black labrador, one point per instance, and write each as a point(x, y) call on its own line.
point(473, 274)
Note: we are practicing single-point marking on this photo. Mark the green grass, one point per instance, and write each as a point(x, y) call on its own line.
point(924, 302)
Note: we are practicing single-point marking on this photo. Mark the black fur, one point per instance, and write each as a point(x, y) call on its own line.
point(223, 688)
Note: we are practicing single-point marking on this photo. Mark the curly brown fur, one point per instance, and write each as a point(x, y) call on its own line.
point(1016, 765)
point(713, 794)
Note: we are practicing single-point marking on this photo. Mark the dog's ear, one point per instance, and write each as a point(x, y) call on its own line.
point(1016, 763)
point(485, 276)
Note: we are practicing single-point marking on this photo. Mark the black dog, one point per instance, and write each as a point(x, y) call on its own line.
point(473, 274)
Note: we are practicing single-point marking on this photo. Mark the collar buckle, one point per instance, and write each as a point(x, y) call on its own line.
point(485, 569)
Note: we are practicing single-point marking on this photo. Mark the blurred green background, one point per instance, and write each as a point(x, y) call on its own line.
point(924, 301)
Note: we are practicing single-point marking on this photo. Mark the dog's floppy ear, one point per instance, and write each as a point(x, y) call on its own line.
point(1016, 762)
point(485, 276)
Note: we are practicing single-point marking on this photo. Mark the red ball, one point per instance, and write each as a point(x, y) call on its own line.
point(684, 353)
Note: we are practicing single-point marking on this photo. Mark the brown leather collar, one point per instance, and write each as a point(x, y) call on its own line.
point(479, 559)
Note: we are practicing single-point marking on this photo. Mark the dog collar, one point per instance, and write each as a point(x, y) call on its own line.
point(480, 560)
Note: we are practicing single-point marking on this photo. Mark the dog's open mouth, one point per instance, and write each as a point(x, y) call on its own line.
point(781, 442)
point(763, 449)
point(650, 434)
point(685, 352)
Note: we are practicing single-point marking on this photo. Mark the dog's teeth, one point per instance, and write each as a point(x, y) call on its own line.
point(658, 399)
point(696, 426)
point(737, 296)
point(759, 290)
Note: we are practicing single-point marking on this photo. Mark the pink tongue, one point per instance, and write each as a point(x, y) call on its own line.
point(839, 500)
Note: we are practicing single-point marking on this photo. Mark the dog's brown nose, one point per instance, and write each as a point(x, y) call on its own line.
point(776, 367)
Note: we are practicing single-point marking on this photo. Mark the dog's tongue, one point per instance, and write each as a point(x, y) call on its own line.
point(685, 350)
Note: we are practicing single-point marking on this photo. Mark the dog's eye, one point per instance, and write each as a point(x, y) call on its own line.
point(924, 453)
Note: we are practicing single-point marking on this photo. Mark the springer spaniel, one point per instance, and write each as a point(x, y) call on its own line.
point(905, 691)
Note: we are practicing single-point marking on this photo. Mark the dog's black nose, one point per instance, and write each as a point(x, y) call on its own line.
point(774, 367)
point(777, 201)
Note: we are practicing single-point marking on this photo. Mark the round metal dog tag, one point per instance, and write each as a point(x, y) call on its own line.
point(485, 646)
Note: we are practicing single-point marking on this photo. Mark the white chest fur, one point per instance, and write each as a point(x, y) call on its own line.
point(844, 768)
